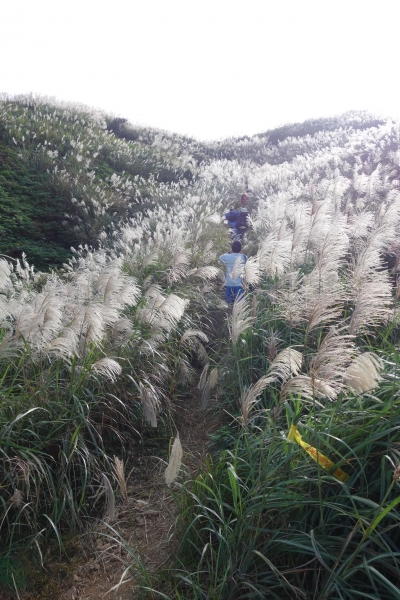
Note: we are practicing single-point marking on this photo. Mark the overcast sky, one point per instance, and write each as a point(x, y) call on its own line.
point(207, 68)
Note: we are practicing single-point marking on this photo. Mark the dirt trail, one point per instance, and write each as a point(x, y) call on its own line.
point(147, 523)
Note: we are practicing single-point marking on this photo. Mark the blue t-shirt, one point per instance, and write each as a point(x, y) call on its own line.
point(229, 261)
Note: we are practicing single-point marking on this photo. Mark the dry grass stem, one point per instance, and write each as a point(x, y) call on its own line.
point(203, 377)
point(175, 461)
point(119, 473)
point(110, 512)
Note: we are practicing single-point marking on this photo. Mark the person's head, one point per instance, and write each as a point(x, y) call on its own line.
point(244, 200)
point(236, 247)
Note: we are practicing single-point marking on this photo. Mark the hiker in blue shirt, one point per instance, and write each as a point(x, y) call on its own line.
point(234, 261)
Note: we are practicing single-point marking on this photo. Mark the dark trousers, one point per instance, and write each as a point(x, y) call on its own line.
point(233, 293)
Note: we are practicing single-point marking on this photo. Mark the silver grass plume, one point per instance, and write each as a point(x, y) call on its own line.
point(5, 312)
point(185, 371)
point(205, 273)
point(213, 379)
point(363, 374)
point(5, 272)
point(214, 218)
point(17, 498)
point(369, 286)
point(326, 308)
point(238, 269)
point(128, 293)
point(249, 397)
point(147, 282)
point(327, 369)
point(305, 388)
point(293, 298)
point(21, 472)
point(208, 255)
point(175, 461)
point(107, 282)
point(274, 254)
point(241, 318)
point(178, 268)
point(272, 342)
point(299, 236)
point(305, 300)
point(150, 403)
point(372, 303)
point(149, 346)
point(37, 322)
point(190, 337)
point(107, 367)
point(154, 291)
point(251, 272)
point(287, 363)
point(149, 314)
point(329, 365)
point(360, 225)
point(173, 309)
point(87, 322)
point(221, 276)
point(63, 347)
point(151, 257)
point(330, 253)
point(162, 312)
point(122, 332)
point(25, 271)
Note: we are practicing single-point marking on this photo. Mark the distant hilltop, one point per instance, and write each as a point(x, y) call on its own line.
point(70, 174)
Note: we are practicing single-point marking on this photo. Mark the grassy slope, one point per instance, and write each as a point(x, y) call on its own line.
point(261, 480)
point(34, 201)
point(31, 216)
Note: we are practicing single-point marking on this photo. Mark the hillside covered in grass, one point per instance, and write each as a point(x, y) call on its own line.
point(69, 174)
point(101, 343)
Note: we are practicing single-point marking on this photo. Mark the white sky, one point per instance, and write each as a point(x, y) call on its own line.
point(207, 68)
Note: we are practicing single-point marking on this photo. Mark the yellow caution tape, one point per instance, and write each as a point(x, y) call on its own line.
point(319, 458)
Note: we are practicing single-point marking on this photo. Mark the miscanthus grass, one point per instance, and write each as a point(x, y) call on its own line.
point(89, 359)
point(267, 522)
point(300, 499)
point(314, 515)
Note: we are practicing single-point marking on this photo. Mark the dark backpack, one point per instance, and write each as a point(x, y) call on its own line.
point(242, 220)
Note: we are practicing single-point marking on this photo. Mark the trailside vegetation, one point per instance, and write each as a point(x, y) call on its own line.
point(300, 496)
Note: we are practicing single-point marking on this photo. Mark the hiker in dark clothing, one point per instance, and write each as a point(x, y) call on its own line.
point(238, 219)
point(232, 218)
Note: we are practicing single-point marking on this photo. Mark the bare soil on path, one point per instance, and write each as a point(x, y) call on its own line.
point(147, 524)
